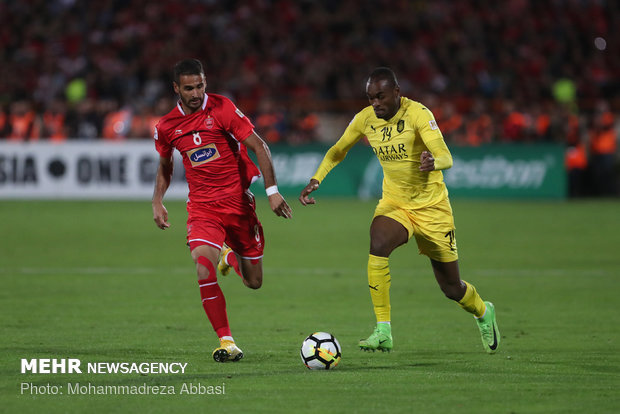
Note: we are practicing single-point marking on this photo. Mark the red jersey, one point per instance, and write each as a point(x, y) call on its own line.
point(209, 140)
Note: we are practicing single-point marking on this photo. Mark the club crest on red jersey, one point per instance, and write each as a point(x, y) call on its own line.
point(209, 122)
point(202, 155)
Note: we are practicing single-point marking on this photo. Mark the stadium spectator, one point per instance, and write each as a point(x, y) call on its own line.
point(480, 128)
point(4, 123)
point(23, 122)
point(603, 146)
point(576, 165)
point(270, 121)
point(145, 118)
point(516, 124)
point(85, 120)
point(451, 122)
point(53, 124)
point(117, 121)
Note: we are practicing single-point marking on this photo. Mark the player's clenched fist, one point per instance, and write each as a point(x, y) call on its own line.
point(427, 162)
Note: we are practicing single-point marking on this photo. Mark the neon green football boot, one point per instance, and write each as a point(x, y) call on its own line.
point(489, 330)
point(380, 339)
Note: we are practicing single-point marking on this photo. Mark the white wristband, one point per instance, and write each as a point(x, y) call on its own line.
point(271, 190)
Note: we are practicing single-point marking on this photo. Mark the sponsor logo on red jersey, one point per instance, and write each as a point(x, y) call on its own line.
point(202, 155)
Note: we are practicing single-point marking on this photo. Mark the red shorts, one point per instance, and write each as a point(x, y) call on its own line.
point(232, 221)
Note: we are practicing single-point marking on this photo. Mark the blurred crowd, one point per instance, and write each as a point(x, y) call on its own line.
point(513, 71)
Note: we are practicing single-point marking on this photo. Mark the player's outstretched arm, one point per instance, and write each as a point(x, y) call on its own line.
point(303, 197)
point(277, 203)
point(162, 182)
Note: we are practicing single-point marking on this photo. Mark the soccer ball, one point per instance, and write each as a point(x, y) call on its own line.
point(321, 350)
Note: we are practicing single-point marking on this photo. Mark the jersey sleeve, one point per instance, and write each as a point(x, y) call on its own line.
point(162, 144)
point(433, 139)
point(235, 122)
point(352, 134)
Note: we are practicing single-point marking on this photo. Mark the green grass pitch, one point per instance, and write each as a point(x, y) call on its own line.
point(99, 282)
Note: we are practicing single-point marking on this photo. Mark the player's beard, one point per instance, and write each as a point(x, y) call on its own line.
point(192, 103)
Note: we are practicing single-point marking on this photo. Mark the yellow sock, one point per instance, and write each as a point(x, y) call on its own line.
point(472, 302)
point(379, 282)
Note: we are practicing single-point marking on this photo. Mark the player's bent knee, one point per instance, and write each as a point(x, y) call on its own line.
point(380, 246)
point(252, 271)
point(253, 280)
point(254, 284)
point(205, 268)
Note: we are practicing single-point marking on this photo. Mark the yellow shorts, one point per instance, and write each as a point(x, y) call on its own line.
point(432, 226)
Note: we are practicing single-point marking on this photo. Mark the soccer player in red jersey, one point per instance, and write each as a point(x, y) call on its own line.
point(212, 136)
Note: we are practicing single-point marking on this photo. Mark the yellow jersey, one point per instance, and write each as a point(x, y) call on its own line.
point(398, 144)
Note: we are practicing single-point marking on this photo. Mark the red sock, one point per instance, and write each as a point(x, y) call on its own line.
point(231, 259)
point(213, 300)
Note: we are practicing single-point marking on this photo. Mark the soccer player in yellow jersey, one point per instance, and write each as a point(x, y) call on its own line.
point(408, 143)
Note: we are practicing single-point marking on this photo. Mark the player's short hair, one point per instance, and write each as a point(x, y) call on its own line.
point(383, 73)
point(187, 67)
